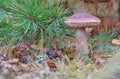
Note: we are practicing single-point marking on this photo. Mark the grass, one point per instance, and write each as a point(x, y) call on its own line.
point(101, 43)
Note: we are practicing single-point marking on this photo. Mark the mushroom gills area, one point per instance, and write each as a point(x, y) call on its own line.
point(82, 46)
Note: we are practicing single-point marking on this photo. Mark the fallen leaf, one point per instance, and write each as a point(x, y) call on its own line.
point(52, 66)
point(25, 45)
point(70, 51)
point(36, 47)
point(13, 61)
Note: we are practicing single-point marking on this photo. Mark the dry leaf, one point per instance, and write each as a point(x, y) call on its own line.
point(25, 45)
point(13, 61)
point(36, 47)
point(52, 66)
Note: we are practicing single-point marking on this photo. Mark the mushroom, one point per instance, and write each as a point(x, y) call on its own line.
point(80, 21)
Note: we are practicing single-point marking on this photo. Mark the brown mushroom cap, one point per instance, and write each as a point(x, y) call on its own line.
point(82, 20)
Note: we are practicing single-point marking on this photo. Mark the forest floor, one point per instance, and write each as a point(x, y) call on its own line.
point(25, 61)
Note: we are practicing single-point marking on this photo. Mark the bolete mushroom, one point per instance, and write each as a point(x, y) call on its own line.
point(80, 21)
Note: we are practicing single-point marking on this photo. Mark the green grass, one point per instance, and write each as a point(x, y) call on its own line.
point(101, 43)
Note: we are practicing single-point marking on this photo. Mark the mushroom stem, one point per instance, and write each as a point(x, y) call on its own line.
point(82, 41)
